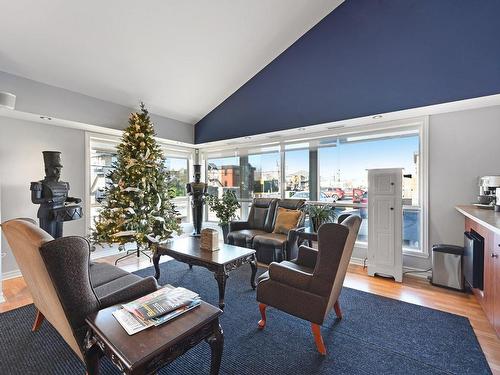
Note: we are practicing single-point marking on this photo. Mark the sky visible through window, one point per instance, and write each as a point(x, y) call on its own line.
point(387, 153)
point(175, 164)
point(348, 162)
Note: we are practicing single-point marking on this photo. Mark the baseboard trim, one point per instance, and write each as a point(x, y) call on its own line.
point(11, 274)
point(101, 253)
point(357, 261)
point(417, 272)
point(94, 255)
point(113, 251)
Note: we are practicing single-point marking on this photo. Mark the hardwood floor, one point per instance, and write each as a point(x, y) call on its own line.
point(413, 290)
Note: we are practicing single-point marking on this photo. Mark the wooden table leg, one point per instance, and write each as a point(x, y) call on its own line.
point(92, 361)
point(221, 277)
point(253, 264)
point(156, 264)
point(216, 342)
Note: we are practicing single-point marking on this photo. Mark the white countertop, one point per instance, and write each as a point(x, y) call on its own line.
point(487, 218)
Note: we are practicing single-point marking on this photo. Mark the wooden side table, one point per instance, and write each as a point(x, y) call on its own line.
point(149, 350)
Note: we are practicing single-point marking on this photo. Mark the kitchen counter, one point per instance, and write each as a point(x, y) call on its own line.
point(487, 218)
point(485, 223)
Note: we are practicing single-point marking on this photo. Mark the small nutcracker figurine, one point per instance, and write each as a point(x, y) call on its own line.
point(197, 190)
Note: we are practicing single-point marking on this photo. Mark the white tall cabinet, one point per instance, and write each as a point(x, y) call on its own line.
point(385, 222)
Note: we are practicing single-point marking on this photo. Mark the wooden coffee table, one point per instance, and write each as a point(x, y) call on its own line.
point(220, 262)
point(149, 350)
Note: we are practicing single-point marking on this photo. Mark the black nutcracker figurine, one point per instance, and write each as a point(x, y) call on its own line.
point(52, 196)
point(197, 190)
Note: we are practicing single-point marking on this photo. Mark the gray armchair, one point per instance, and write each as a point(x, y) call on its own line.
point(309, 286)
point(64, 284)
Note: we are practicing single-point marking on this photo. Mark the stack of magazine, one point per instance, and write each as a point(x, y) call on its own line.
point(156, 308)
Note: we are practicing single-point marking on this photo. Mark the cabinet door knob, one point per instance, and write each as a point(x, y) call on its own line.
point(392, 208)
point(494, 255)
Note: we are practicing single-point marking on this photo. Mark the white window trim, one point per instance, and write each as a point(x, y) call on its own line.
point(88, 137)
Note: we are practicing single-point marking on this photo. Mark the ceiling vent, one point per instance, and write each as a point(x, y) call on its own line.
point(335, 127)
point(7, 100)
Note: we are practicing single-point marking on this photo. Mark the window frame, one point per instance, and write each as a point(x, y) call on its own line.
point(377, 130)
point(168, 151)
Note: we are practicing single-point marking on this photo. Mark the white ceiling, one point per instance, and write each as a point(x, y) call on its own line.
point(182, 58)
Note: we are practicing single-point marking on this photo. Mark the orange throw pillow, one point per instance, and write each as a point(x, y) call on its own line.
point(286, 220)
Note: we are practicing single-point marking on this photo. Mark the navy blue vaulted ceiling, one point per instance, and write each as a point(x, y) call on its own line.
point(368, 57)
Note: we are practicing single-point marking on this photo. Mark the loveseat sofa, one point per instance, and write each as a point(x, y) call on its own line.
point(257, 231)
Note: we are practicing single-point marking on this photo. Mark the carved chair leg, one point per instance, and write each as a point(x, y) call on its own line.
point(38, 321)
point(337, 309)
point(320, 345)
point(262, 309)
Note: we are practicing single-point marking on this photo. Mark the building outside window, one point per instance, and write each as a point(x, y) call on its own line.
point(223, 174)
point(264, 175)
point(297, 171)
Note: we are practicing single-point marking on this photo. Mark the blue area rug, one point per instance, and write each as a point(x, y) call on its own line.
point(376, 336)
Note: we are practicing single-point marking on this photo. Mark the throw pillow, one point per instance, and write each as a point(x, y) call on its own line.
point(286, 220)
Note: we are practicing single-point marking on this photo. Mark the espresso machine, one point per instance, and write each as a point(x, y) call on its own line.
point(489, 190)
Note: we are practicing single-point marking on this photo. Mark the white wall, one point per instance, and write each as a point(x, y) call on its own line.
point(463, 146)
point(42, 99)
point(21, 146)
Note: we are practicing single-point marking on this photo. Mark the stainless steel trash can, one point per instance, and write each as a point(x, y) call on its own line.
point(447, 266)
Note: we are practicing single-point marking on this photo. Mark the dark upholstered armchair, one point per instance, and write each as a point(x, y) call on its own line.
point(271, 247)
point(309, 286)
point(260, 221)
point(66, 287)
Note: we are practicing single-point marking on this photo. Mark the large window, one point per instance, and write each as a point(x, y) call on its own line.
point(102, 156)
point(297, 171)
point(343, 163)
point(339, 177)
point(264, 175)
point(178, 168)
point(223, 174)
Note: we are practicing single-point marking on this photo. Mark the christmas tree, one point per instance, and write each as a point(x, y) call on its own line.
point(138, 205)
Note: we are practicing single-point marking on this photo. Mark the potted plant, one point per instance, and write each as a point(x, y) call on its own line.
point(225, 209)
point(320, 214)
